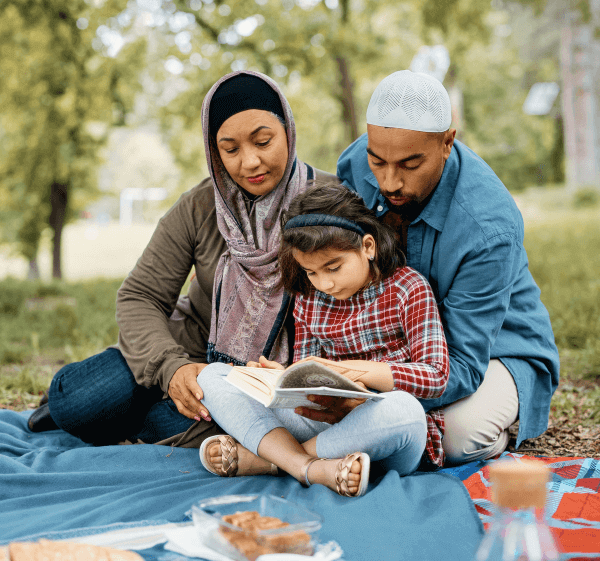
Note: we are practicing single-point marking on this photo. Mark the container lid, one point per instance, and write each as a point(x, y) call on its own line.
point(519, 484)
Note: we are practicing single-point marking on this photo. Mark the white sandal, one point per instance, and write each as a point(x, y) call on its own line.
point(229, 455)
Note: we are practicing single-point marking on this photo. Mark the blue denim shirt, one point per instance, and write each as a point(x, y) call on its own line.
point(468, 243)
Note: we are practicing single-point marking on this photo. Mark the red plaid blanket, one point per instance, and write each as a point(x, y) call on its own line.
point(572, 506)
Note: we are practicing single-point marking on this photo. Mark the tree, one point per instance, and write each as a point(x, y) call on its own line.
point(56, 91)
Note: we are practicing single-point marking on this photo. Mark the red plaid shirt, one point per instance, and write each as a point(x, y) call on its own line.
point(395, 321)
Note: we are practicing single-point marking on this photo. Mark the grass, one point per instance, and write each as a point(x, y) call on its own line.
point(46, 325)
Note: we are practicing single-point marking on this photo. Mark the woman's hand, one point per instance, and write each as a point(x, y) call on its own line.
point(186, 393)
point(264, 363)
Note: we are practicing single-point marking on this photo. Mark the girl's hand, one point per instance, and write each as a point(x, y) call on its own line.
point(324, 361)
point(264, 363)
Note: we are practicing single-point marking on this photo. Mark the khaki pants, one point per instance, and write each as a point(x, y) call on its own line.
point(477, 425)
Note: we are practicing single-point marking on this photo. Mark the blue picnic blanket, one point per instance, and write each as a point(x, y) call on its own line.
point(52, 482)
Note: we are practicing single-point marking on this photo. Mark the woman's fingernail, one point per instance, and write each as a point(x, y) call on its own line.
point(206, 416)
point(197, 418)
point(198, 397)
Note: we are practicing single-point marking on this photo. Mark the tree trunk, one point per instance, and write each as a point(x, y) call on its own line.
point(58, 203)
point(347, 99)
point(580, 69)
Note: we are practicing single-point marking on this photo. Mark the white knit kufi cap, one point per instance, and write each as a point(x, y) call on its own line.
point(412, 101)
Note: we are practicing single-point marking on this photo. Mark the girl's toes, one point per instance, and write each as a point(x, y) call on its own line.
point(215, 457)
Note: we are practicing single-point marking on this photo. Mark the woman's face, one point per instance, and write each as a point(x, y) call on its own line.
point(254, 150)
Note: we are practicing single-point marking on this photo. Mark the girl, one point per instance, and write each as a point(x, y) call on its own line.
point(356, 303)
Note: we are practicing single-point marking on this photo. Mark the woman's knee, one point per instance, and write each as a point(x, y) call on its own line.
point(99, 397)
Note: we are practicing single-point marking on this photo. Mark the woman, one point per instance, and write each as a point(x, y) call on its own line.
point(227, 228)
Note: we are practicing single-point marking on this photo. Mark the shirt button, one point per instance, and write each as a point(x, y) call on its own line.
point(379, 208)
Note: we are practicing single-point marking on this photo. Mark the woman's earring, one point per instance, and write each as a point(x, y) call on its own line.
point(371, 257)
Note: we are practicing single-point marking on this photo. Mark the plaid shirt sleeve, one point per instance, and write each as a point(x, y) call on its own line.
point(426, 374)
point(305, 344)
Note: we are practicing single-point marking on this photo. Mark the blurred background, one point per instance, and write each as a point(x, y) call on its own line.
point(100, 133)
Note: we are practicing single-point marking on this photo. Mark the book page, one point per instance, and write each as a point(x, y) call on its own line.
point(314, 374)
point(287, 398)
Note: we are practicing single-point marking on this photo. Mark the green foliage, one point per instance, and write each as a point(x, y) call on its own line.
point(585, 401)
point(55, 87)
point(310, 49)
point(37, 317)
point(314, 51)
point(28, 381)
point(586, 198)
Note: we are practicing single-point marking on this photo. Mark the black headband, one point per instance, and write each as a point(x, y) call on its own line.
point(240, 93)
point(323, 220)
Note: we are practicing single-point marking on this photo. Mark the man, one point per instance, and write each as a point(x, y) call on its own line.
point(461, 229)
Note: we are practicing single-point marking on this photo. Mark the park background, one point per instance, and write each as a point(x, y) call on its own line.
point(100, 133)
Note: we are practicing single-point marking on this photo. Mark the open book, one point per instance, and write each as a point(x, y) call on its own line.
point(289, 388)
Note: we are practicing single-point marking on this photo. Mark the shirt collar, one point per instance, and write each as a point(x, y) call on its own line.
point(436, 210)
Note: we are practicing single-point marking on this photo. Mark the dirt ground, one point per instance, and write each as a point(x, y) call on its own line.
point(567, 434)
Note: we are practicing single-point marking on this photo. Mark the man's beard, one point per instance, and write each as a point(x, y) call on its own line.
point(408, 211)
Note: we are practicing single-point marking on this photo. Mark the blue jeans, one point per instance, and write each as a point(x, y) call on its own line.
point(99, 401)
point(392, 431)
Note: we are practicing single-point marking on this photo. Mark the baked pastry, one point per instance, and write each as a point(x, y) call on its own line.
point(46, 550)
point(252, 544)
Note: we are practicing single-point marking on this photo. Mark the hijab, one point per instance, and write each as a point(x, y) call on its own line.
point(249, 303)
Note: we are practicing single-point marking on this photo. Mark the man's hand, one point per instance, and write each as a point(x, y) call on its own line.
point(336, 408)
point(186, 393)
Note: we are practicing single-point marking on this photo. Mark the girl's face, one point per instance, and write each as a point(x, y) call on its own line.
point(254, 150)
point(340, 274)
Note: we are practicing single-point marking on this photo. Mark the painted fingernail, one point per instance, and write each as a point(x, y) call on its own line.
point(198, 397)
point(197, 418)
point(205, 416)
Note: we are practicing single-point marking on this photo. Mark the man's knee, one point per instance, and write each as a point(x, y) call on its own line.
point(476, 427)
point(464, 447)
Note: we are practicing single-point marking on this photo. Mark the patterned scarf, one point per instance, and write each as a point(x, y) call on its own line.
point(248, 304)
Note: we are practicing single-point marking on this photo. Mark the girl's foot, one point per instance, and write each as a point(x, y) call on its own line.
point(223, 456)
point(348, 477)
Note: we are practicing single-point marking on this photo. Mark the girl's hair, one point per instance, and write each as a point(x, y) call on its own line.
point(337, 200)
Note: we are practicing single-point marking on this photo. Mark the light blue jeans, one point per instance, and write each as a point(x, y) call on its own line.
point(393, 431)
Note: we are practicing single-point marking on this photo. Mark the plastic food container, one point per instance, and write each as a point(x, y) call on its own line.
point(243, 527)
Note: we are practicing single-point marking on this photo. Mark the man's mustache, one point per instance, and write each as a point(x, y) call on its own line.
point(394, 195)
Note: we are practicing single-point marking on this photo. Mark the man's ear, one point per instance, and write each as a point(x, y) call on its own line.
point(449, 136)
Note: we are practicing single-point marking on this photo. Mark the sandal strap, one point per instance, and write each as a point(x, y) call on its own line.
point(229, 456)
point(309, 462)
point(342, 473)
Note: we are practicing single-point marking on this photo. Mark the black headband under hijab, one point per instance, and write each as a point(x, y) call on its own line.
point(240, 93)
